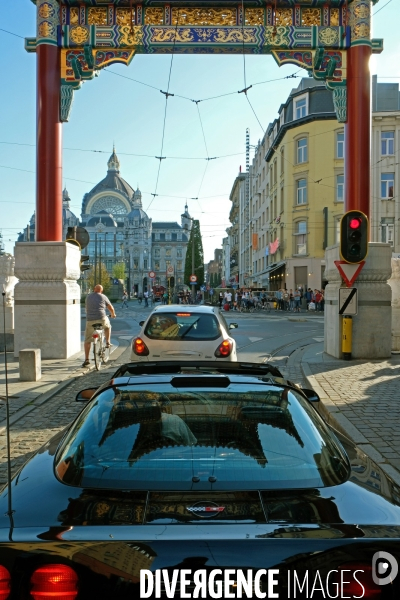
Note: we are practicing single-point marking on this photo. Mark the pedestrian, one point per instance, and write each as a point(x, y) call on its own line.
point(220, 299)
point(140, 298)
point(228, 299)
point(291, 300)
point(146, 298)
point(318, 298)
point(322, 302)
point(297, 299)
point(286, 300)
point(308, 296)
point(125, 299)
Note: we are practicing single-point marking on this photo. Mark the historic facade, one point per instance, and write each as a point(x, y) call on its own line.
point(121, 232)
point(385, 165)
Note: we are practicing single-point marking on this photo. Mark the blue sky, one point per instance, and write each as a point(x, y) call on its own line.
point(112, 109)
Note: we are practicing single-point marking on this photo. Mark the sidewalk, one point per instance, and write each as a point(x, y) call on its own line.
point(360, 398)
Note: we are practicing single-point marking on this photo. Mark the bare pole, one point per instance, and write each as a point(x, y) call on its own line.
point(10, 510)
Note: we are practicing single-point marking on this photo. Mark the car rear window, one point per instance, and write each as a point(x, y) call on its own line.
point(160, 437)
point(182, 326)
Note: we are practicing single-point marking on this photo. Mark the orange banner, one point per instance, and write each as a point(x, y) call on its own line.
point(255, 241)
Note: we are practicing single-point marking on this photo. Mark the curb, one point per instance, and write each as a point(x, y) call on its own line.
point(58, 387)
point(332, 415)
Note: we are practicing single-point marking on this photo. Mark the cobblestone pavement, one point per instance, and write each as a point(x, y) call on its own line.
point(364, 400)
point(33, 430)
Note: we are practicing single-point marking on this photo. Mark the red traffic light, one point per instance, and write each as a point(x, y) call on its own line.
point(355, 223)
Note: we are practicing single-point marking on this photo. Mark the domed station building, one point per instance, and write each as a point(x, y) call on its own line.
point(121, 231)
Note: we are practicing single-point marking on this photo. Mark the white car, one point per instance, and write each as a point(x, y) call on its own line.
point(179, 332)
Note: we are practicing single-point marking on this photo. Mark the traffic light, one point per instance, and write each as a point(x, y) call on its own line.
point(84, 258)
point(354, 237)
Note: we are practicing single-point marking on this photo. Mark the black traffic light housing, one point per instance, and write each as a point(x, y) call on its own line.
point(354, 228)
point(84, 258)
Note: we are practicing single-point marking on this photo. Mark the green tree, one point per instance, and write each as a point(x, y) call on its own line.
point(118, 271)
point(104, 279)
point(195, 240)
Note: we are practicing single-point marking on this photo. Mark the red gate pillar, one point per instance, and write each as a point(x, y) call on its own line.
point(358, 125)
point(49, 127)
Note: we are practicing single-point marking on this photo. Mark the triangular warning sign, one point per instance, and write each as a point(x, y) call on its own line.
point(348, 272)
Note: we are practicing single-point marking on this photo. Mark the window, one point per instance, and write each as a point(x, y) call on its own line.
point(145, 263)
point(168, 236)
point(302, 150)
point(282, 160)
point(300, 107)
point(301, 238)
point(157, 236)
point(339, 188)
point(157, 265)
point(387, 143)
point(179, 252)
point(387, 233)
point(387, 185)
point(340, 145)
point(157, 252)
point(179, 265)
point(301, 191)
point(168, 252)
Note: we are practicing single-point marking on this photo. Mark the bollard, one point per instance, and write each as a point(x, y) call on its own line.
point(347, 334)
point(30, 368)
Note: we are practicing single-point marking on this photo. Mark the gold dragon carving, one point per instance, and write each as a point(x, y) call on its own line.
point(74, 15)
point(154, 16)
point(335, 16)
point(311, 16)
point(171, 35)
point(79, 34)
point(131, 36)
point(124, 16)
point(97, 16)
point(204, 16)
point(283, 16)
point(254, 16)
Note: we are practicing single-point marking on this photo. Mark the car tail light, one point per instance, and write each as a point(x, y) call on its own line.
point(54, 581)
point(224, 349)
point(139, 347)
point(5, 583)
point(353, 577)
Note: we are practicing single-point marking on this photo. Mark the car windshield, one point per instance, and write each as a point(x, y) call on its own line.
point(160, 437)
point(182, 326)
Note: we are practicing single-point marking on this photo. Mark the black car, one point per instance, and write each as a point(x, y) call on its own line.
point(199, 481)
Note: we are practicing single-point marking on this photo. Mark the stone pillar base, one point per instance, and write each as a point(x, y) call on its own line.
point(47, 299)
point(372, 324)
point(394, 283)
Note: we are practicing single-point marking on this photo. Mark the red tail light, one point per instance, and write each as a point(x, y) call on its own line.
point(224, 349)
point(355, 576)
point(54, 581)
point(139, 347)
point(95, 335)
point(5, 583)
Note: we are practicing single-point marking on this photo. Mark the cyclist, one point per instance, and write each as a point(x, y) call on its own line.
point(96, 305)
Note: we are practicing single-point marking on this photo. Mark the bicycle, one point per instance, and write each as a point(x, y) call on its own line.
point(101, 353)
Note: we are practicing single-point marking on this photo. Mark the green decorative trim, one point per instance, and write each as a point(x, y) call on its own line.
point(377, 45)
point(30, 44)
point(67, 98)
point(339, 94)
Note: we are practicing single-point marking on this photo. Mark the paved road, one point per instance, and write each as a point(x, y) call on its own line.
point(260, 337)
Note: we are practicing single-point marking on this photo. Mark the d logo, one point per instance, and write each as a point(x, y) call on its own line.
point(384, 568)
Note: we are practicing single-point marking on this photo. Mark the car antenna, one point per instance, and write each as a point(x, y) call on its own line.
point(10, 511)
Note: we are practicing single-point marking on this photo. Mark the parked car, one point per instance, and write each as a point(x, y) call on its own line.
point(184, 333)
point(212, 478)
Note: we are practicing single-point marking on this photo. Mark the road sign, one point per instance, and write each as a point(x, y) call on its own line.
point(349, 272)
point(152, 274)
point(203, 288)
point(193, 278)
point(170, 271)
point(348, 301)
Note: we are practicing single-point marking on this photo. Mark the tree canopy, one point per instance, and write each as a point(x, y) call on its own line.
point(195, 239)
